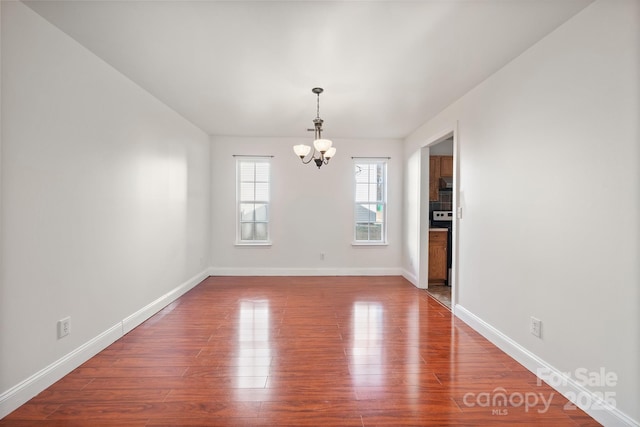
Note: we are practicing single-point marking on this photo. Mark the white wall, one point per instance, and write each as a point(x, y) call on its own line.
point(312, 210)
point(105, 199)
point(411, 243)
point(549, 185)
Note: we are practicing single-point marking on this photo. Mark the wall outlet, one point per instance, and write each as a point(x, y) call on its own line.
point(536, 327)
point(64, 327)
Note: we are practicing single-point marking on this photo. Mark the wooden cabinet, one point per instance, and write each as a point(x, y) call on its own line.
point(438, 166)
point(434, 178)
point(446, 165)
point(438, 256)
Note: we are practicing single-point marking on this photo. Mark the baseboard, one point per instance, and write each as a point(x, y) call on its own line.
point(131, 322)
point(19, 394)
point(410, 277)
point(225, 271)
point(598, 409)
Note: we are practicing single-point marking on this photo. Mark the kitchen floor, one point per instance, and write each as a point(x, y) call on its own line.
point(440, 292)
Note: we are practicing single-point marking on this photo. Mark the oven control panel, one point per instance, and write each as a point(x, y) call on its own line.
point(443, 215)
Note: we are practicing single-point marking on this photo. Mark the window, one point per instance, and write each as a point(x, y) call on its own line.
point(253, 188)
point(370, 201)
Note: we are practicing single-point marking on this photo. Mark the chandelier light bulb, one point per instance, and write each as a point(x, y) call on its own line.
point(330, 153)
point(301, 150)
point(322, 145)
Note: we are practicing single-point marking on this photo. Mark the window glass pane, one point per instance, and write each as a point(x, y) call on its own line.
point(372, 192)
point(261, 231)
point(262, 172)
point(365, 212)
point(375, 232)
point(362, 192)
point(247, 171)
point(247, 191)
point(362, 173)
point(261, 212)
point(262, 191)
point(362, 231)
point(373, 171)
point(246, 230)
point(246, 212)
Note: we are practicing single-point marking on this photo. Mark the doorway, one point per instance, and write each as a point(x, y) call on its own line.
point(439, 218)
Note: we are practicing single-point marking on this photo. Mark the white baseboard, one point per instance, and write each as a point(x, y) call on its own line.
point(19, 394)
point(600, 411)
point(132, 321)
point(225, 271)
point(410, 277)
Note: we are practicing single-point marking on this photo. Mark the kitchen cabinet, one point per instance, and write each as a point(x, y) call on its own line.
point(438, 166)
point(434, 178)
point(446, 165)
point(438, 255)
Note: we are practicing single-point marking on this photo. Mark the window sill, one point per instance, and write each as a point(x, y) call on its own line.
point(369, 244)
point(245, 244)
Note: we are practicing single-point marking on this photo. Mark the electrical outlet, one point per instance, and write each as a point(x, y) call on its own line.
point(64, 327)
point(536, 327)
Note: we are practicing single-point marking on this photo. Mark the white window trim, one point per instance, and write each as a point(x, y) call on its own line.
point(384, 241)
point(254, 243)
point(239, 241)
point(367, 244)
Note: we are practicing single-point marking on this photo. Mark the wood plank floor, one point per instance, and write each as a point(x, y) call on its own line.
point(300, 351)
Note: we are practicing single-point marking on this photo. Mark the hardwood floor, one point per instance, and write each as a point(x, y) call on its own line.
point(299, 351)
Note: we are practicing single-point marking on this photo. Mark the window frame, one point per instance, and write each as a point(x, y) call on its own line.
point(383, 202)
point(239, 201)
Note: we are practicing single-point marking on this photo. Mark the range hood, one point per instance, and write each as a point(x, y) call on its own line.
point(446, 182)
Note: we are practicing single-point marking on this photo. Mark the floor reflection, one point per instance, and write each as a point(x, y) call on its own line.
point(254, 349)
point(367, 344)
point(412, 355)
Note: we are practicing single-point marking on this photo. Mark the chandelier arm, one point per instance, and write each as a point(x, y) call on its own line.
point(308, 161)
point(313, 157)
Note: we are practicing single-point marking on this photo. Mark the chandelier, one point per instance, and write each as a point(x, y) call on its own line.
point(322, 149)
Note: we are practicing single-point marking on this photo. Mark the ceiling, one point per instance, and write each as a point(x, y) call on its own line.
point(246, 68)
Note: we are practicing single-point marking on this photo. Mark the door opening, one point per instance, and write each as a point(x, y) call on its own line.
point(441, 220)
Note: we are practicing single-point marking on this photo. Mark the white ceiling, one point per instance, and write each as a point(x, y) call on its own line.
point(247, 68)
